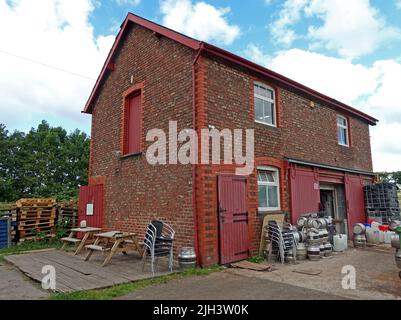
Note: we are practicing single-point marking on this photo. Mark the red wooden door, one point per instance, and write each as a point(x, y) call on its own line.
point(233, 219)
point(355, 202)
point(305, 192)
point(90, 207)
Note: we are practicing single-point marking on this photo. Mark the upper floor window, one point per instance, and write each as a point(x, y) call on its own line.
point(342, 131)
point(268, 189)
point(265, 105)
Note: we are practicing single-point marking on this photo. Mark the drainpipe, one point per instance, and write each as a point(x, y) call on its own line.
point(201, 46)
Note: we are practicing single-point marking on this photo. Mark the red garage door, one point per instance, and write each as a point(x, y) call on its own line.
point(355, 201)
point(233, 218)
point(91, 205)
point(305, 192)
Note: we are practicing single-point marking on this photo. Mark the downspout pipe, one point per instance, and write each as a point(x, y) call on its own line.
point(196, 238)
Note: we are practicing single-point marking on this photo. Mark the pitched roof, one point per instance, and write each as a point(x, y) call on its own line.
point(200, 45)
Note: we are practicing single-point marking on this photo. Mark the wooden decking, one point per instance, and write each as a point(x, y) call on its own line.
point(75, 274)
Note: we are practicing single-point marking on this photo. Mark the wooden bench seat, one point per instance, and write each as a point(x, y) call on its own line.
point(97, 248)
point(72, 240)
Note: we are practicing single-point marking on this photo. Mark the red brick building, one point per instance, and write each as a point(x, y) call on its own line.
point(311, 151)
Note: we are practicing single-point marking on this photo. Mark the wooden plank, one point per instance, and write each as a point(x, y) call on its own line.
point(92, 268)
point(74, 274)
point(251, 266)
point(33, 269)
point(70, 278)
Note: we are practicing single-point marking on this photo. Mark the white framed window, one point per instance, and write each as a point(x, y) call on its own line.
point(265, 104)
point(268, 189)
point(342, 131)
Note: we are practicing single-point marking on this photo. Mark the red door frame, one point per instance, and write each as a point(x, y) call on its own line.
point(233, 225)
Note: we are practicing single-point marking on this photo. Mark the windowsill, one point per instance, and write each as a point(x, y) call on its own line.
point(131, 155)
point(266, 124)
point(344, 145)
point(266, 213)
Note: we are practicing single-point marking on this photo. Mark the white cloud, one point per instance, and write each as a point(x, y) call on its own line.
point(199, 20)
point(373, 89)
point(337, 78)
point(128, 2)
point(386, 99)
point(351, 30)
point(289, 15)
point(57, 33)
point(257, 55)
point(386, 146)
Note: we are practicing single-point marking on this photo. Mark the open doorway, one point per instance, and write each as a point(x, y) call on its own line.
point(327, 202)
point(332, 201)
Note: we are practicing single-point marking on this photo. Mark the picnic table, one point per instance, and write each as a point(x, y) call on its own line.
point(72, 238)
point(114, 242)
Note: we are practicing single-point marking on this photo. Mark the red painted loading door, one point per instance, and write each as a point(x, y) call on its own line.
point(233, 219)
point(305, 192)
point(90, 206)
point(355, 201)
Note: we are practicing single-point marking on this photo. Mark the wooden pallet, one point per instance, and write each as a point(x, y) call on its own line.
point(68, 210)
point(45, 202)
point(35, 216)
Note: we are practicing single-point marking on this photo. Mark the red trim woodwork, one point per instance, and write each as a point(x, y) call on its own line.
point(137, 89)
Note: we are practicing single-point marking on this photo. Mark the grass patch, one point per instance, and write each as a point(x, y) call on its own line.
point(29, 246)
point(256, 259)
point(126, 288)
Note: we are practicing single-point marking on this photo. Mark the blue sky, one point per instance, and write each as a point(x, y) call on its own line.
point(350, 50)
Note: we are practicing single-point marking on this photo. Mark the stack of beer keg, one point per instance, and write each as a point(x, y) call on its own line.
point(316, 237)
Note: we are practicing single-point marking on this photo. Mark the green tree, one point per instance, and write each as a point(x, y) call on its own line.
point(394, 177)
point(45, 162)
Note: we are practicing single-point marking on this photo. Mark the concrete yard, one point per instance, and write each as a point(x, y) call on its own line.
point(227, 286)
point(376, 278)
point(376, 274)
point(15, 286)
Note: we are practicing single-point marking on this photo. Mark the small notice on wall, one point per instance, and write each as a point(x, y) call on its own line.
point(89, 209)
point(316, 186)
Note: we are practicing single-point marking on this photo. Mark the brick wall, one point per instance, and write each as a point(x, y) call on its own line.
point(136, 192)
point(302, 132)
point(230, 101)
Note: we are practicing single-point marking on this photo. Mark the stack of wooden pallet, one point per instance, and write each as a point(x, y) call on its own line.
point(68, 211)
point(36, 218)
point(10, 210)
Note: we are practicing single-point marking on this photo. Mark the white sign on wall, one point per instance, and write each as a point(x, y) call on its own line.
point(89, 209)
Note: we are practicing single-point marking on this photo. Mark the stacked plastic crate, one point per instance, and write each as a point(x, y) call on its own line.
point(5, 237)
point(381, 202)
